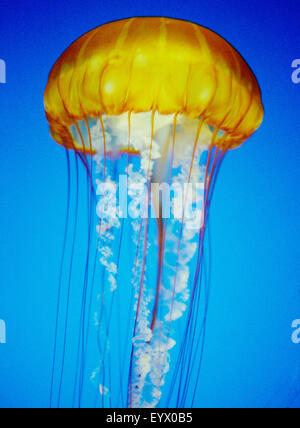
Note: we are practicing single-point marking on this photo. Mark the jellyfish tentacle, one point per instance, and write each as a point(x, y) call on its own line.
point(196, 281)
point(60, 277)
point(183, 214)
point(141, 288)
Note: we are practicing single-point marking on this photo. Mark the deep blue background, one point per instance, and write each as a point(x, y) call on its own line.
point(249, 358)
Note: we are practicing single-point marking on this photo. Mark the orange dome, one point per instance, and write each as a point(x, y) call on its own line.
point(153, 64)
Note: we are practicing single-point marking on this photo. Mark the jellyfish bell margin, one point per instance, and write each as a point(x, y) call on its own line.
point(150, 101)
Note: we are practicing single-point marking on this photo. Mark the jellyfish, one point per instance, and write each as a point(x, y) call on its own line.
point(149, 107)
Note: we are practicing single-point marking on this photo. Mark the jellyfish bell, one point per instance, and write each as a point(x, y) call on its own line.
point(157, 100)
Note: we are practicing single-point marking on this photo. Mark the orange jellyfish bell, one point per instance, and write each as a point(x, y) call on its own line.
point(178, 96)
point(153, 64)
